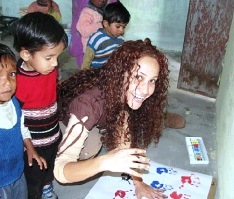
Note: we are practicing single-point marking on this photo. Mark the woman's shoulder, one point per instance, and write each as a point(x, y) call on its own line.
point(91, 104)
point(94, 94)
point(90, 95)
point(95, 91)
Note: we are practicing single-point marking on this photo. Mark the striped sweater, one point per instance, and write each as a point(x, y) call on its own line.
point(103, 45)
point(37, 95)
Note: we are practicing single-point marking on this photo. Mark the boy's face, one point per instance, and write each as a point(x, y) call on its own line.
point(43, 61)
point(114, 29)
point(7, 82)
point(99, 3)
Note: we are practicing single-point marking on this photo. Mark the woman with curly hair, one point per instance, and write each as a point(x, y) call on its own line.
point(126, 98)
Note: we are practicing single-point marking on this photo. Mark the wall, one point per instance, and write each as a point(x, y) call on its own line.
point(225, 123)
point(163, 21)
point(11, 8)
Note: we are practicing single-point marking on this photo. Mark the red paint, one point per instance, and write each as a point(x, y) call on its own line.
point(123, 194)
point(192, 180)
point(120, 193)
point(186, 179)
point(175, 195)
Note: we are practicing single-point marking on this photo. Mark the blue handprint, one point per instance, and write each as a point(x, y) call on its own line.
point(158, 185)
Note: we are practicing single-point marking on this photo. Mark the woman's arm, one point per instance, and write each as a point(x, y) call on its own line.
point(68, 169)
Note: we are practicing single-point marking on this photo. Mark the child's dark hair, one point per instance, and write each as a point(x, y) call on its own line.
point(35, 30)
point(116, 12)
point(6, 56)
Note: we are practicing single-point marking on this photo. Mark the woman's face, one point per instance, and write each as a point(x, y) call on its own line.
point(142, 82)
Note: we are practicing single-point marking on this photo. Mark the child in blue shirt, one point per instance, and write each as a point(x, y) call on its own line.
point(102, 43)
point(13, 134)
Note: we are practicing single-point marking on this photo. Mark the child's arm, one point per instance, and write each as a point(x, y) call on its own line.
point(29, 146)
point(88, 57)
point(32, 154)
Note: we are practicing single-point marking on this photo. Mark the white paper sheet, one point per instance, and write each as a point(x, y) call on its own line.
point(177, 184)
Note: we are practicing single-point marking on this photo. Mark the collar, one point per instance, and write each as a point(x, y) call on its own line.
point(99, 10)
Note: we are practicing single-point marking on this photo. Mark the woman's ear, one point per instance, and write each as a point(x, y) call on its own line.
point(25, 54)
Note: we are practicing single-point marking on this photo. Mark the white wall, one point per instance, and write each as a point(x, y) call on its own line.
point(163, 21)
point(11, 8)
point(225, 123)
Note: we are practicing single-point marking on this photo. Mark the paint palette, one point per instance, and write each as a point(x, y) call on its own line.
point(197, 151)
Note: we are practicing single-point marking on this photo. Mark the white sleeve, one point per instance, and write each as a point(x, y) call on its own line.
point(70, 148)
point(24, 130)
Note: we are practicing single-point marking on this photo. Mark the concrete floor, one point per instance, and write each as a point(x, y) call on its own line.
point(199, 112)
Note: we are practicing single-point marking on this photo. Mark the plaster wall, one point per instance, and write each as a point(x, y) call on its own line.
point(11, 8)
point(162, 21)
point(225, 123)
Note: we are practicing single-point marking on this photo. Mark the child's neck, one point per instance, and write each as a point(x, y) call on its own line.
point(27, 67)
point(105, 30)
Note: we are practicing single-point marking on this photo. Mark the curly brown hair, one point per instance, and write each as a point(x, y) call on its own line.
point(145, 123)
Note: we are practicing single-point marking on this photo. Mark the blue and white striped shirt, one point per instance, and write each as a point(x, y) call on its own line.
point(103, 45)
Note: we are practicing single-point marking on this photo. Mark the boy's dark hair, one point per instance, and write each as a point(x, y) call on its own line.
point(116, 12)
point(35, 30)
point(6, 55)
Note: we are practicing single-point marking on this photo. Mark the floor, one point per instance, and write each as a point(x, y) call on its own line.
point(199, 112)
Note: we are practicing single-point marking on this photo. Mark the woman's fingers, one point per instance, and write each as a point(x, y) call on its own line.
point(130, 161)
point(140, 166)
point(140, 158)
point(136, 151)
point(138, 162)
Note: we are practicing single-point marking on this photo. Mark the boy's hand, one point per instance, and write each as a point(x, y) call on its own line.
point(32, 154)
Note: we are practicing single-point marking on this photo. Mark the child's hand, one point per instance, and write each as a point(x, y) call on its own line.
point(32, 154)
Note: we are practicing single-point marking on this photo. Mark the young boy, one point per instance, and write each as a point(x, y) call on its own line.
point(51, 8)
point(39, 39)
point(101, 43)
point(13, 133)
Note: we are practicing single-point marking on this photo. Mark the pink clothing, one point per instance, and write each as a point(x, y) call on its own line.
point(76, 47)
point(89, 22)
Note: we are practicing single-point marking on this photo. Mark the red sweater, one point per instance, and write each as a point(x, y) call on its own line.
point(37, 95)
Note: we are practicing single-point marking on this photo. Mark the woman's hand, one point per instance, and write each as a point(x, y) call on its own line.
point(125, 160)
point(144, 190)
